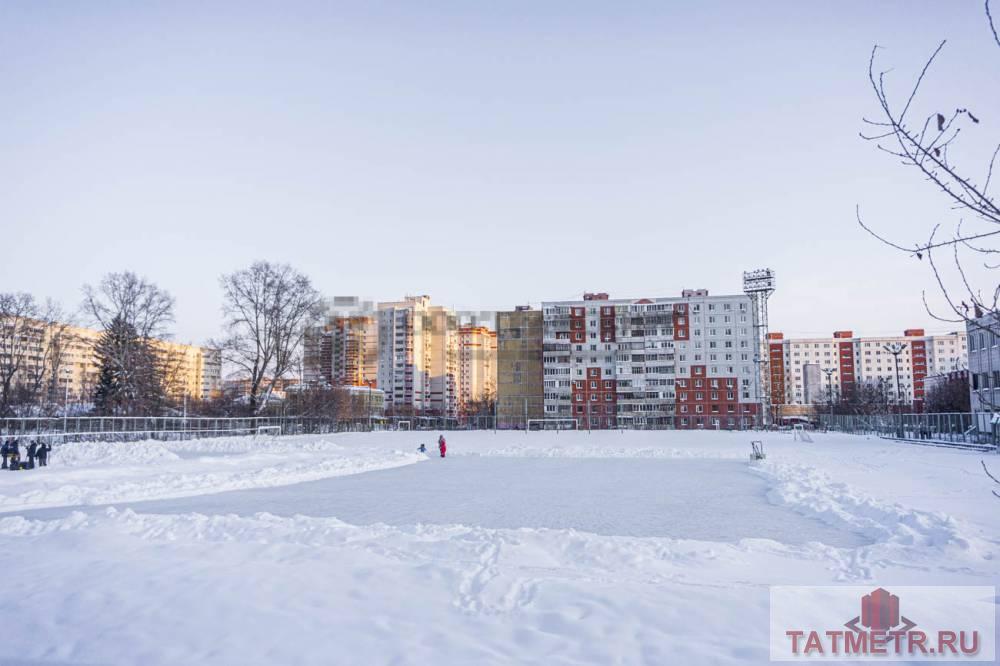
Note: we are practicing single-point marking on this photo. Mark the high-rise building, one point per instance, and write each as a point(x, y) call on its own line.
point(477, 366)
point(520, 387)
point(848, 361)
point(418, 357)
point(343, 350)
point(685, 362)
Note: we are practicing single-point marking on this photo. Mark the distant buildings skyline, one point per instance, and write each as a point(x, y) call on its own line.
point(685, 361)
point(61, 358)
point(806, 371)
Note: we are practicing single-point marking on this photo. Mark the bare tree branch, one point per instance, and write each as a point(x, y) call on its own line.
point(995, 480)
point(993, 26)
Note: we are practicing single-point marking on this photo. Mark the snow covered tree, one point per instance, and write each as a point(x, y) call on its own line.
point(131, 375)
point(267, 308)
point(115, 387)
point(133, 369)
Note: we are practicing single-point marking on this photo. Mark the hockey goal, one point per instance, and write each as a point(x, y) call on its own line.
point(269, 430)
point(404, 425)
point(552, 424)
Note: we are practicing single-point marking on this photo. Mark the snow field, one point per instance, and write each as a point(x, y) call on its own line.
point(120, 586)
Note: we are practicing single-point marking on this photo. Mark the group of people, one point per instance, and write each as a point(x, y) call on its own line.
point(442, 446)
point(11, 450)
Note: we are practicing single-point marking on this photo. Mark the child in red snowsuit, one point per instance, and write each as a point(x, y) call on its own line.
point(442, 447)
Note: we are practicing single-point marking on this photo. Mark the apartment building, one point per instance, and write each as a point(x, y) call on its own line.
point(984, 362)
point(211, 373)
point(847, 361)
point(477, 366)
point(61, 358)
point(418, 357)
point(343, 350)
point(520, 372)
point(193, 371)
point(685, 362)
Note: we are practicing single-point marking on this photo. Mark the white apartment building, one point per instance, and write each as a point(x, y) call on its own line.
point(685, 362)
point(846, 360)
point(418, 357)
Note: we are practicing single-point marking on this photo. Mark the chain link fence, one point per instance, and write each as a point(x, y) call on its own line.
point(954, 428)
point(976, 429)
point(117, 428)
point(127, 428)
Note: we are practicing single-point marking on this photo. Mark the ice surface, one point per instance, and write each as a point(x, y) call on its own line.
point(714, 500)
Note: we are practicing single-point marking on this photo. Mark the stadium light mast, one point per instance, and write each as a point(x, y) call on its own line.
point(759, 285)
point(896, 348)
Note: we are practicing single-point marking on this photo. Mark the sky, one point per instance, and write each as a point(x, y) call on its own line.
point(487, 154)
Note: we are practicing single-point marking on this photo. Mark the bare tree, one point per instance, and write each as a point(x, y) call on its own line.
point(17, 317)
point(32, 341)
point(482, 409)
point(267, 308)
point(138, 302)
point(41, 378)
point(865, 398)
point(925, 143)
point(951, 394)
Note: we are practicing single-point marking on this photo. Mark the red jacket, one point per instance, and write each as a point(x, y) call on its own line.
point(442, 447)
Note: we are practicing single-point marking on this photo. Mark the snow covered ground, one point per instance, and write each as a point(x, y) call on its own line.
point(568, 548)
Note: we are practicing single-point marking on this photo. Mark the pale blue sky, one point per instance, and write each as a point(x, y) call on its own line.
point(488, 154)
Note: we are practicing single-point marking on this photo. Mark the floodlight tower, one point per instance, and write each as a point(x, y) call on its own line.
point(759, 285)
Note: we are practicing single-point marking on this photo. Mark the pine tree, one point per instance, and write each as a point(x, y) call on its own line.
point(113, 392)
point(131, 377)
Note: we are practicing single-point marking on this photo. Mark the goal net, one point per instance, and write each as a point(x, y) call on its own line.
point(403, 425)
point(799, 434)
point(269, 430)
point(552, 424)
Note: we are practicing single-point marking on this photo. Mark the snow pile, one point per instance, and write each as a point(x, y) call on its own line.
point(811, 491)
point(111, 472)
point(255, 444)
point(77, 454)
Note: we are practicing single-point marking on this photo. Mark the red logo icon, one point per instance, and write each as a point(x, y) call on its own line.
point(880, 612)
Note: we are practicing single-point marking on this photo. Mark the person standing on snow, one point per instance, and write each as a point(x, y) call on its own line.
point(5, 450)
point(14, 453)
point(43, 453)
point(442, 447)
